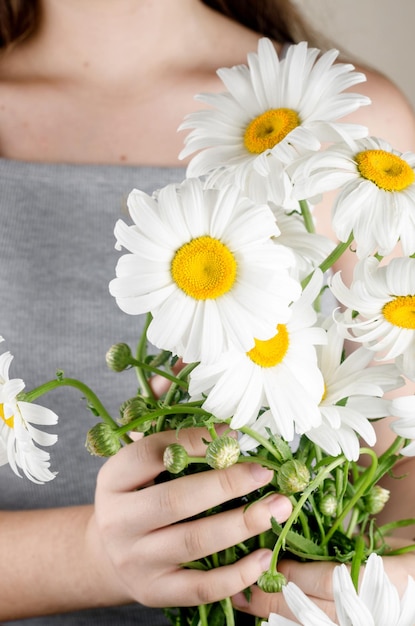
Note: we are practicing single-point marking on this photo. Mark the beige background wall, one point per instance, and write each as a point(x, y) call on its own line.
point(379, 32)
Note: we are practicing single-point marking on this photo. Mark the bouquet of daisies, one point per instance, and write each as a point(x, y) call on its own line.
point(250, 325)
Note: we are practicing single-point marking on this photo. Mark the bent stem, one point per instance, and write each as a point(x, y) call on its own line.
point(86, 391)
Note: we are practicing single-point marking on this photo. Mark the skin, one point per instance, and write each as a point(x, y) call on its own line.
point(116, 93)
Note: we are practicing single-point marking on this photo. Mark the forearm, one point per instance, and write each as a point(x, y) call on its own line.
point(51, 562)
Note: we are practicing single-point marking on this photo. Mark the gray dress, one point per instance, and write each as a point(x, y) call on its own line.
point(57, 257)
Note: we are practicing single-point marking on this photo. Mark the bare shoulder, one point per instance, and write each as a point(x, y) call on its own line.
point(390, 115)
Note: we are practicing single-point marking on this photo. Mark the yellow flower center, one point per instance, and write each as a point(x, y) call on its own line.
point(272, 351)
point(401, 312)
point(204, 268)
point(269, 128)
point(388, 171)
point(8, 421)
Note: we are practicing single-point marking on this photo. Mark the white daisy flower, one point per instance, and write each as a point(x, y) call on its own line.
point(352, 395)
point(384, 296)
point(404, 409)
point(273, 110)
point(280, 373)
point(376, 604)
point(204, 263)
point(377, 198)
point(18, 436)
point(342, 422)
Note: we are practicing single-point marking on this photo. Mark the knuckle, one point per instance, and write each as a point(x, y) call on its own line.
point(225, 482)
point(193, 543)
point(205, 590)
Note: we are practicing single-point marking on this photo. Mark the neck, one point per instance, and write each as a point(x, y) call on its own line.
point(115, 39)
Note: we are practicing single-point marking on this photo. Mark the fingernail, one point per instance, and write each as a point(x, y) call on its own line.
point(239, 600)
point(261, 474)
point(279, 507)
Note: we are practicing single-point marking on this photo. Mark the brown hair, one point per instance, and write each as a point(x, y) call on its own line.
point(18, 20)
point(278, 19)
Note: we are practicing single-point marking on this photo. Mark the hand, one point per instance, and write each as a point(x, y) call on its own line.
point(315, 580)
point(137, 522)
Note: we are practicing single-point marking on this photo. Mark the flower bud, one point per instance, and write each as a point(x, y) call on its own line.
point(119, 357)
point(328, 505)
point(222, 452)
point(271, 582)
point(293, 477)
point(376, 499)
point(135, 408)
point(175, 458)
point(102, 440)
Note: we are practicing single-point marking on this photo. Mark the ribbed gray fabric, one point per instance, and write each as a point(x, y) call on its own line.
point(57, 257)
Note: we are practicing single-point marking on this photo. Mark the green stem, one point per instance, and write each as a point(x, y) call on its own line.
point(265, 443)
point(203, 617)
point(155, 370)
point(331, 259)
point(307, 217)
point(179, 381)
point(170, 410)
point(358, 557)
point(228, 611)
point(92, 398)
point(321, 476)
point(141, 352)
point(362, 484)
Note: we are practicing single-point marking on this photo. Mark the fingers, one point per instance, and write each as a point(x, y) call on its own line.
point(194, 540)
point(183, 587)
point(140, 462)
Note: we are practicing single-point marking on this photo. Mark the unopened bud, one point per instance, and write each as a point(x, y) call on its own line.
point(271, 582)
point(376, 499)
point(102, 440)
point(135, 408)
point(328, 505)
point(119, 357)
point(223, 452)
point(293, 477)
point(175, 458)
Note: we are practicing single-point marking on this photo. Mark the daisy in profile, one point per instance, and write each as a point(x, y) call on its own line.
point(273, 111)
point(376, 604)
point(18, 436)
point(205, 264)
point(377, 196)
point(281, 374)
point(384, 297)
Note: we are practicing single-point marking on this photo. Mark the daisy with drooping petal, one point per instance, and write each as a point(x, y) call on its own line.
point(204, 263)
point(376, 604)
point(18, 436)
point(280, 373)
point(377, 199)
point(273, 110)
point(344, 421)
point(404, 409)
point(384, 296)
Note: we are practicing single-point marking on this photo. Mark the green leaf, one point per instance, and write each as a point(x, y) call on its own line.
point(299, 543)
